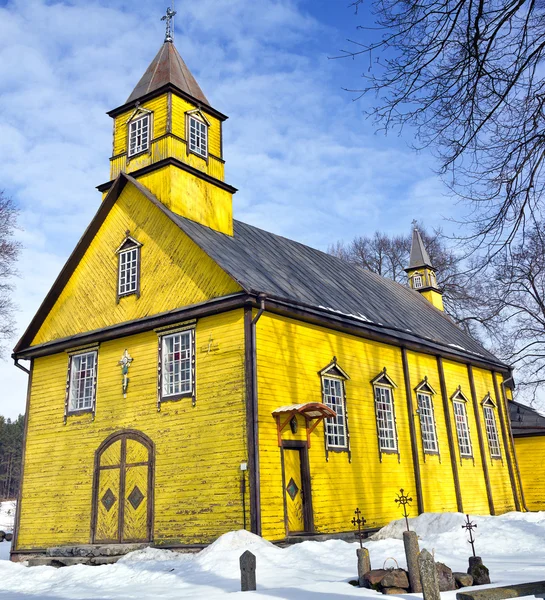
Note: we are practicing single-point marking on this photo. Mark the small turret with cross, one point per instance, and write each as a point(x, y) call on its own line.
point(168, 18)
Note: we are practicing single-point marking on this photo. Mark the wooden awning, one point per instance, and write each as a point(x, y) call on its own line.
point(311, 411)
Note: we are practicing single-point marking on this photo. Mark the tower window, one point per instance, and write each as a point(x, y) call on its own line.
point(417, 281)
point(198, 137)
point(128, 273)
point(139, 135)
point(82, 386)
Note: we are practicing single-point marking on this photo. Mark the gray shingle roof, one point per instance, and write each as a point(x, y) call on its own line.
point(525, 420)
point(419, 254)
point(262, 262)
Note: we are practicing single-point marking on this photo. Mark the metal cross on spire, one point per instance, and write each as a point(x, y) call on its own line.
point(168, 18)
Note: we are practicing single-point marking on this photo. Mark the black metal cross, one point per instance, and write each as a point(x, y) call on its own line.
point(404, 500)
point(359, 521)
point(470, 527)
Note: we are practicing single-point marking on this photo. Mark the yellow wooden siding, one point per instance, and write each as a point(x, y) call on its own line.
point(498, 470)
point(179, 109)
point(175, 272)
point(198, 449)
point(159, 108)
point(470, 470)
point(290, 354)
point(192, 197)
point(438, 489)
point(530, 452)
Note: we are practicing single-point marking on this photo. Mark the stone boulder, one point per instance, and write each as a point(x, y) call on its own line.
point(463, 580)
point(478, 571)
point(396, 578)
point(445, 578)
point(373, 578)
point(394, 591)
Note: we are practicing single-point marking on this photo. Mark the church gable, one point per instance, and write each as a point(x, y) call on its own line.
point(138, 263)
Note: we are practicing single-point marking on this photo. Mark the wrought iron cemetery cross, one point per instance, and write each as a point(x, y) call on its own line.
point(168, 18)
point(404, 500)
point(470, 527)
point(359, 521)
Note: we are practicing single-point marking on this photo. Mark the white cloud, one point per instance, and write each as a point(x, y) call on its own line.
point(306, 162)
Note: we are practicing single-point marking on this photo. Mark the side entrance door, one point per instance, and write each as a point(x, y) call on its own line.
point(123, 489)
point(297, 490)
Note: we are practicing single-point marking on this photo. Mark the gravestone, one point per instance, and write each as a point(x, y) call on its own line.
point(364, 565)
point(247, 572)
point(428, 576)
point(410, 541)
point(478, 571)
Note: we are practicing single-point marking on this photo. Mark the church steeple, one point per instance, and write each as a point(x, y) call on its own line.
point(169, 137)
point(421, 273)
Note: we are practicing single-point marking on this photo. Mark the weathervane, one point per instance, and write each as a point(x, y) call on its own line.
point(404, 501)
point(168, 18)
point(470, 527)
point(125, 363)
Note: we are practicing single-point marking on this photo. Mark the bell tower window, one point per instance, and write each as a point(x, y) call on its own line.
point(139, 135)
point(198, 134)
point(417, 281)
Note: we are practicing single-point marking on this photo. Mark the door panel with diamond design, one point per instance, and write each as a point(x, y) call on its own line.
point(123, 500)
point(294, 490)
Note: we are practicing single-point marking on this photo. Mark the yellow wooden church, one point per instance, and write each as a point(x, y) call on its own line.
point(191, 374)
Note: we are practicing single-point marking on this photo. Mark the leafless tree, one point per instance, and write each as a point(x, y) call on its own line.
point(389, 256)
point(468, 76)
point(9, 251)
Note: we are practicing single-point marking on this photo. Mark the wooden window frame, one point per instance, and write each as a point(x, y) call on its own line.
point(198, 117)
point(334, 372)
point(426, 390)
point(383, 382)
point(139, 115)
point(458, 398)
point(162, 336)
point(329, 425)
point(488, 405)
point(68, 402)
point(420, 279)
point(129, 244)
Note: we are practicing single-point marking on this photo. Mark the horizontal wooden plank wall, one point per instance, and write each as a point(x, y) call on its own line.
point(198, 449)
point(290, 354)
point(174, 272)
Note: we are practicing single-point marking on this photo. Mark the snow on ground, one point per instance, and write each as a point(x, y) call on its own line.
point(511, 546)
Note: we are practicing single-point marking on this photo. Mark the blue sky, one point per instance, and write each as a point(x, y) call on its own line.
point(307, 164)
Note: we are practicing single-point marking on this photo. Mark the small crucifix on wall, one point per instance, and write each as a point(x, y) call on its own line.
point(125, 363)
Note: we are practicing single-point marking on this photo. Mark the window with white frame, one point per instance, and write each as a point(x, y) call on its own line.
point(82, 381)
point(198, 136)
point(333, 397)
point(177, 364)
point(139, 135)
point(128, 271)
point(462, 428)
point(417, 281)
point(384, 405)
point(491, 430)
point(427, 423)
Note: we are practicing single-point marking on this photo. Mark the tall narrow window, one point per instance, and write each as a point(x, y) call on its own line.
point(334, 398)
point(198, 136)
point(139, 135)
point(82, 381)
point(459, 402)
point(177, 359)
point(383, 387)
point(128, 273)
point(427, 423)
point(385, 418)
point(491, 429)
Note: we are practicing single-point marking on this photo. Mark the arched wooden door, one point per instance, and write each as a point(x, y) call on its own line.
point(123, 489)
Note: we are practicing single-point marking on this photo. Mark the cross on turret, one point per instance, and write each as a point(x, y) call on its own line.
point(168, 18)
